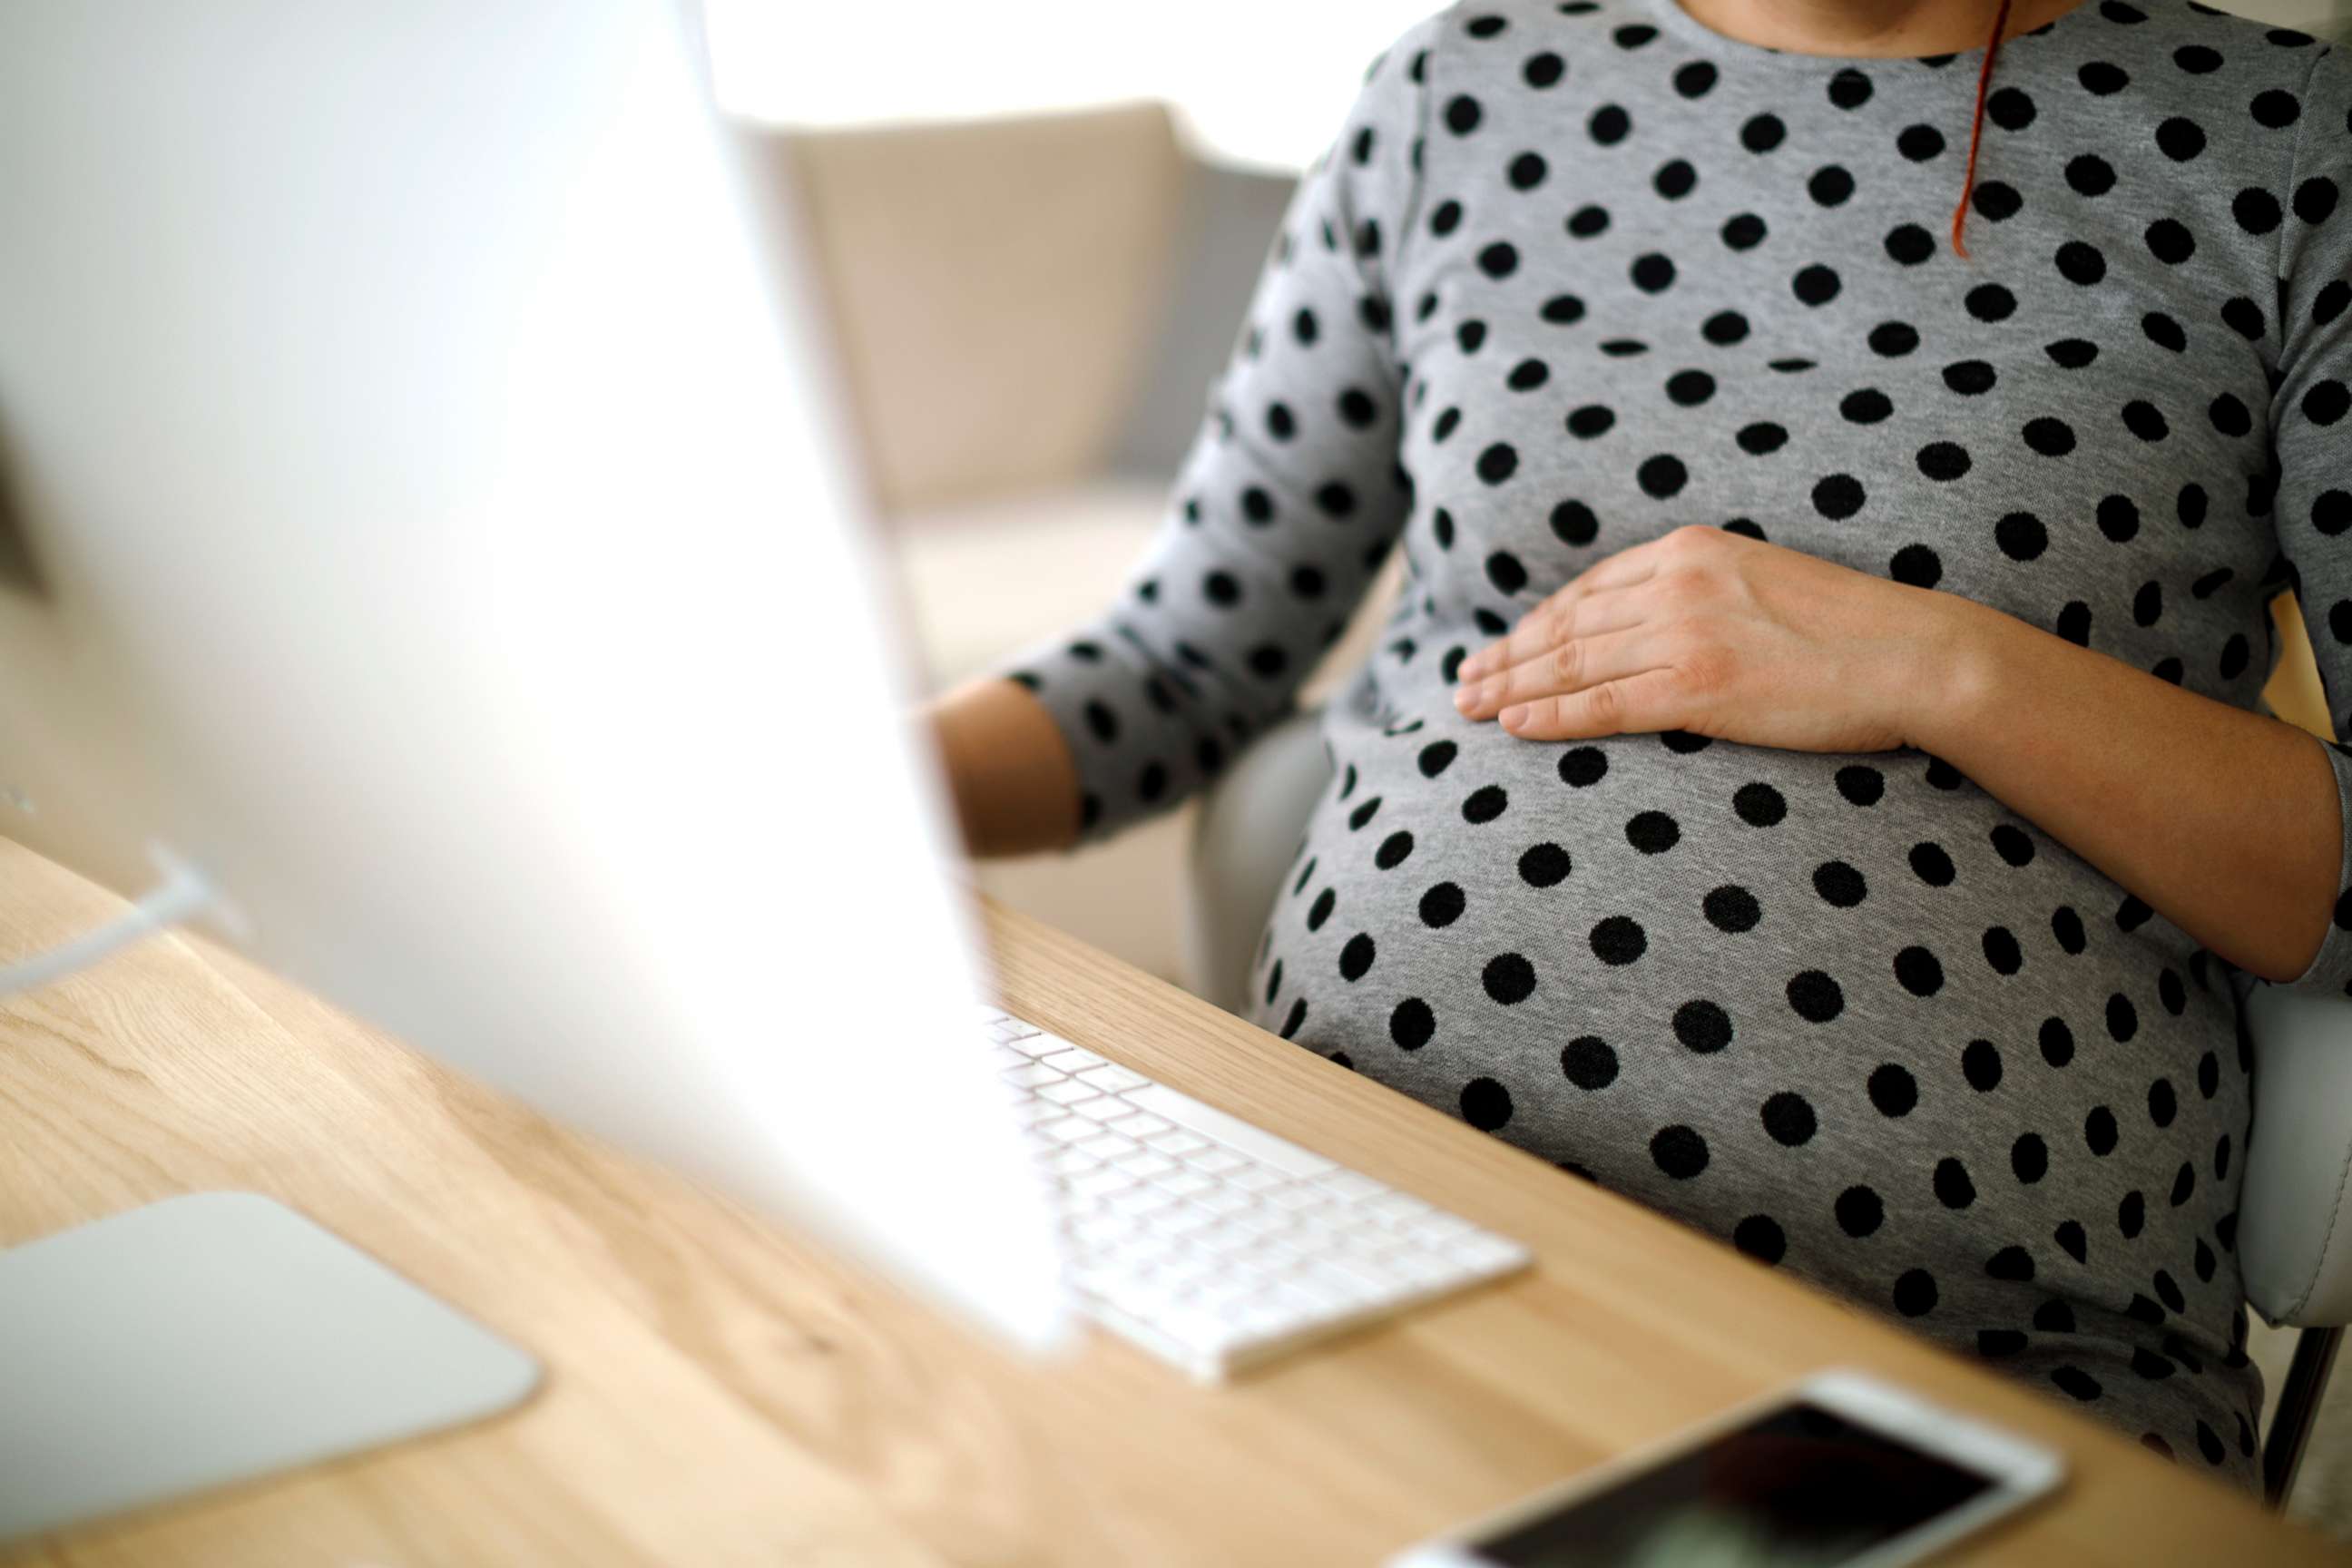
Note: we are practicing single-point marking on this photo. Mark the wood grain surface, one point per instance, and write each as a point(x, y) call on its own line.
point(722, 1391)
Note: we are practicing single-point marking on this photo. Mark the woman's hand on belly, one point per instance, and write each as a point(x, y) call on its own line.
point(2228, 822)
point(1722, 635)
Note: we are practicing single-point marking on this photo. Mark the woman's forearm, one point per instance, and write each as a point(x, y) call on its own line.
point(1014, 786)
point(2226, 822)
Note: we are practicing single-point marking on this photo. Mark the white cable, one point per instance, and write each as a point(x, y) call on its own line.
point(182, 894)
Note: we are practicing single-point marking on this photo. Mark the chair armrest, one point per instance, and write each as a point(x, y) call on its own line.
point(1244, 840)
point(2294, 1224)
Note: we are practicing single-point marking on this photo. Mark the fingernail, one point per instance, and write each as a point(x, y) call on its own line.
point(1465, 698)
point(1515, 716)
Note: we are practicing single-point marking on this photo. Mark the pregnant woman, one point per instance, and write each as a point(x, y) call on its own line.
point(1843, 451)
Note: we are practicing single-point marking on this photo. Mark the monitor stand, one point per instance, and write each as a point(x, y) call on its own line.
point(212, 1339)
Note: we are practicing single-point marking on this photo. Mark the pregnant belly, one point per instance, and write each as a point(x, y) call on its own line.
point(1847, 1010)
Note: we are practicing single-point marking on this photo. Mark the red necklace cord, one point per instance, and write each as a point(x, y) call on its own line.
point(1976, 128)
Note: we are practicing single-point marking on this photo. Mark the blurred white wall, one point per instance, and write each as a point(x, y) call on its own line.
point(1261, 84)
point(1255, 82)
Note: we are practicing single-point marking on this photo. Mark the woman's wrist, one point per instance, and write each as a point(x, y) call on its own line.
point(1966, 669)
point(1013, 783)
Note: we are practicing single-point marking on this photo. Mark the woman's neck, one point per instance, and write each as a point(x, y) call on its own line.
point(1868, 27)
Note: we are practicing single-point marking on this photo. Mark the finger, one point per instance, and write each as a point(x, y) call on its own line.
point(1545, 629)
point(1566, 667)
point(1530, 636)
point(1636, 705)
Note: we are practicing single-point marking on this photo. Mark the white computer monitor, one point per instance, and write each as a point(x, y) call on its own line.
point(427, 518)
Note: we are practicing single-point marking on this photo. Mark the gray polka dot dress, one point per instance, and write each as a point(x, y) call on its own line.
point(1573, 275)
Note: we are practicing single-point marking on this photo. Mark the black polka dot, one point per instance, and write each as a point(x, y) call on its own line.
point(1893, 1089)
point(1860, 1212)
point(1485, 805)
point(1589, 1062)
point(1652, 832)
point(1679, 1152)
point(1509, 979)
point(1485, 1104)
point(1702, 1027)
point(1788, 1117)
point(1412, 1025)
point(1918, 971)
point(1760, 1237)
point(2010, 1263)
point(1732, 910)
point(1815, 997)
point(1953, 1188)
point(2075, 1380)
point(2209, 1445)
point(1543, 864)
point(1619, 940)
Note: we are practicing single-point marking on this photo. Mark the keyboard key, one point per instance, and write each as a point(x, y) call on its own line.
point(1139, 1201)
point(1030, 1075)
point(1229, 1130)
point(1108, 1145)
point(1100, 1182)
point(1398, 1209)
point(1349, 1185)
point(1097, 1231)
point(1071, 1060)
point(1110, 1078)
point(1485, 1252)
point(1183, 1220)
point(1136, 1123)
point(1064, 1093)
point(1261, 1220)
point(1177, 1141)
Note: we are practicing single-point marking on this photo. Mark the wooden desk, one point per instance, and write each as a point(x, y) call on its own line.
point(721, 1392)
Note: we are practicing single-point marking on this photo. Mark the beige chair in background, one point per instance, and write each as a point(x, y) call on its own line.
point(1029, 313)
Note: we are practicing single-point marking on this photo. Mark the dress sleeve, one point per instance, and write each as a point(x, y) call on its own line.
point(2311, 431)
point(1287, 500)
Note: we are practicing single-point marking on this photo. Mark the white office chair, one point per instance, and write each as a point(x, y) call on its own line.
point(2295, 1238)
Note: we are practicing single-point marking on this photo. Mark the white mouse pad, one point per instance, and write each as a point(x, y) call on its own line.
point(211, 1339)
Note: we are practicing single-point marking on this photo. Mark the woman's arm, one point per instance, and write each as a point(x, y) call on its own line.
point(2225, 821)
point(1287, 501)
point(1010, 771)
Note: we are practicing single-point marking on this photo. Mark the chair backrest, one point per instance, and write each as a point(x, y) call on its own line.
point(2294, 1226)
point(1243, 843)
point(995, 288)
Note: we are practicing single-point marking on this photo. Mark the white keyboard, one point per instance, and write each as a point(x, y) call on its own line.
point(1206, 1241)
